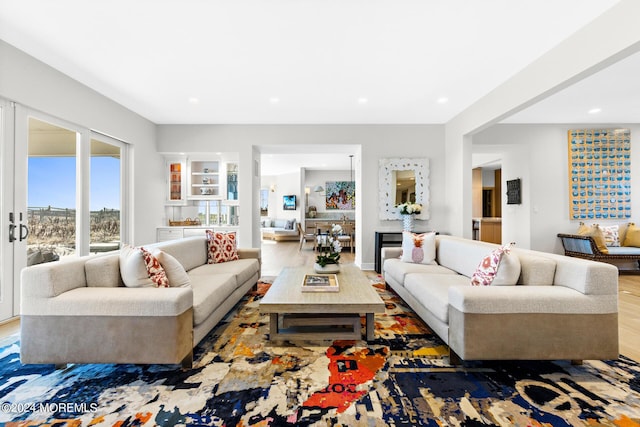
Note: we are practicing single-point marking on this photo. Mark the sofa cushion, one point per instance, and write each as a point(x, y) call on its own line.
point(155, 270)
point(242, 270)
point(222, 247)
point(209, 292)
point(103, 271)
point(191, 252)
point(398, 269)
point(133, 268)
point(432, 291)
point(175, 272)
point(418, 248)
point(534, 269)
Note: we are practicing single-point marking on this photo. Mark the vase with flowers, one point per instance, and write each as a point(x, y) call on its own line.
point(328, 261)
point(408, 210)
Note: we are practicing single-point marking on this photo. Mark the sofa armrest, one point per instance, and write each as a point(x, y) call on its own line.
point(244, 253)
point(528, 299)
point(120, 301)
point(389, 253)
point(52, 278)
point(578, 244)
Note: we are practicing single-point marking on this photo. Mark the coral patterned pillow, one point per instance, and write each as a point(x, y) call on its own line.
point(418, 248)
point(156, 273)
point(222, 247)
point(488, 267)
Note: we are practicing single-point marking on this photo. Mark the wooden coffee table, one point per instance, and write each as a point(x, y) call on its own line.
point(297, 315)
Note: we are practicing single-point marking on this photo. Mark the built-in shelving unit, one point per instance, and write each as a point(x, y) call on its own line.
point(204, 180)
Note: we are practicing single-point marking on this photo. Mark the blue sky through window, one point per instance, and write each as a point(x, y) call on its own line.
point(52, 182)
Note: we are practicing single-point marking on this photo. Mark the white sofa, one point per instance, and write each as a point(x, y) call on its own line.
point(279, 229)
point(79, 311)
point(552, 307)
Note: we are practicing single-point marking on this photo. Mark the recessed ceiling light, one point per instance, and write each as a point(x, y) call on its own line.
point(362, 100)
point(193, 100)
point(274, 100)
point(442, 100)
point(595, 110)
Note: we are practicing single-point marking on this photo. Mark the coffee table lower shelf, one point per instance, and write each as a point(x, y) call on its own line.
point(285, 326)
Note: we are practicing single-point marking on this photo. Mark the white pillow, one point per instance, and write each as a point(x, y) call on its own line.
point(176, 273)
point(133, 268)
point(419, 248)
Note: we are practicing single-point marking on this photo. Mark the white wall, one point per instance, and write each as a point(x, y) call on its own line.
point(538, 155)
point(285, 184)
point(375, 141)
point(35, 85)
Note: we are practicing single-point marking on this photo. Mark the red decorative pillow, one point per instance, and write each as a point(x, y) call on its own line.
point(488, 268)
point(154, 269)
point(222, 247)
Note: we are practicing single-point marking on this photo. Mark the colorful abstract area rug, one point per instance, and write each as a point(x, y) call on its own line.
point(402, 378)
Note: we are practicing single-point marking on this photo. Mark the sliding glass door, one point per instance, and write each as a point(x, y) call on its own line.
point(62, 192)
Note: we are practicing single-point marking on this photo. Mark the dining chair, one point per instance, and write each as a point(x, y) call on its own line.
point(304, 237)
point(346, 238)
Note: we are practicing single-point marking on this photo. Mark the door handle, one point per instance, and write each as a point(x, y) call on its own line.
point(12, 228)
point(12, 233)
point(25, 229)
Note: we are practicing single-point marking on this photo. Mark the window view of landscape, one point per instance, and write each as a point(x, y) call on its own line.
point(51, 194)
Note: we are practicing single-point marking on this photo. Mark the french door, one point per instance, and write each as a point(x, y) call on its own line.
point(62, 193)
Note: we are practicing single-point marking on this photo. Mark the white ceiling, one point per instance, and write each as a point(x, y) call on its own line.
point(313, 61)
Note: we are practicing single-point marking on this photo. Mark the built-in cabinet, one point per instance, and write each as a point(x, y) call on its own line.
point(176, 182)
point(201, 190)
point(200, 179)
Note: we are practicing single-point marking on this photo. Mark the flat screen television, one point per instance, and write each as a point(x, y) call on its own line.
point(289, 203)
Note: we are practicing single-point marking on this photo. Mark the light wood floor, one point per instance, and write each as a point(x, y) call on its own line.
point(276, 256)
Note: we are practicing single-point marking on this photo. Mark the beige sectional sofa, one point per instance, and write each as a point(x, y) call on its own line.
point(549, 306)
point(79, 311)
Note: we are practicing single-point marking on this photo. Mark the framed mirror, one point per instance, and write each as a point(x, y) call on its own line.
point(403, 180)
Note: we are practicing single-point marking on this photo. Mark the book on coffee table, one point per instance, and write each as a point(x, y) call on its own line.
point(320, 283)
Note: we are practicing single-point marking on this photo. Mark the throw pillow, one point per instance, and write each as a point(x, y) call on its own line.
point(622, 233)
point(488, 267)
point(289, 225)
point(155, 271)
point(176, 273)
point(610, 234)
point(418, 248)
point(595, 232)
point(222, 247)
point(133, 268)
point(632, 238)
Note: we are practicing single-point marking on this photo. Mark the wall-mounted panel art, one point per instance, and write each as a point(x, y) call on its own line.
point(599, 174)
point(341, 195)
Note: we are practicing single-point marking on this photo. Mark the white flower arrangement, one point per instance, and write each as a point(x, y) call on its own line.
point(409, 208)
point(330, 247)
